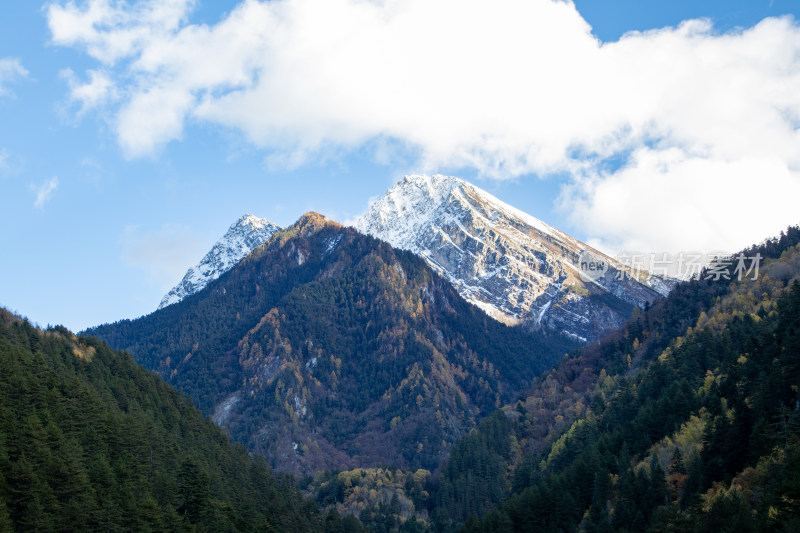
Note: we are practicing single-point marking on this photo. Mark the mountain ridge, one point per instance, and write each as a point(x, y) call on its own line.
point(678, 421)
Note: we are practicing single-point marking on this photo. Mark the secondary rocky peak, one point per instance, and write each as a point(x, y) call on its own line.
point(242, 237)
point(326, 349)
point(312, 222)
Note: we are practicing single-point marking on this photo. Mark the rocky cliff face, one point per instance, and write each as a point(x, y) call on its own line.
point(244, 235)
point(515, 267)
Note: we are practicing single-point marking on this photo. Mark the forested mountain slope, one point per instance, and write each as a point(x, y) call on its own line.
point(686, 419)
point(90, 441)
point(326, 348)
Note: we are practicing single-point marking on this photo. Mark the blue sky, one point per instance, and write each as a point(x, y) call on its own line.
point(132, 135)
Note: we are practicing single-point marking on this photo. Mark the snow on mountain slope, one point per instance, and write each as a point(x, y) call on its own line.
point(244, 235)
point(515, 267)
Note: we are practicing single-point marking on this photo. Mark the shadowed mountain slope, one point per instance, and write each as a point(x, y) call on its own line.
point(326, 348)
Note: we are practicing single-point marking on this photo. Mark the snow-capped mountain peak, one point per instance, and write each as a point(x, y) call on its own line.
point(244, 235)
point(511, 264)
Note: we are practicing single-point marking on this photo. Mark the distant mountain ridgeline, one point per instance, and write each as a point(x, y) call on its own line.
point(90, 441)
point(686, 419)
point(510, 264)
point(326, 348)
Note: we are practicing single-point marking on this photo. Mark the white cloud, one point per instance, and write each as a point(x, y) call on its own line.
point(508, 88)
point(4, 157)
point(44, 191)
point(99, 90)
point(110, 29)
point(666, 201)
point(164, 255)
point(152, 118)
point(11, 69)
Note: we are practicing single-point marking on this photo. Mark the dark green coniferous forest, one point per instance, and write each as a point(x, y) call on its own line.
point(686, 419)
point(90, 441)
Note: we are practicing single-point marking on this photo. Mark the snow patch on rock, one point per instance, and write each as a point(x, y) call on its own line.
point(512, 265)
point(244, 236)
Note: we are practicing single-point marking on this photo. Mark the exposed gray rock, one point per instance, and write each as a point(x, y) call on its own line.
point(515, 267)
